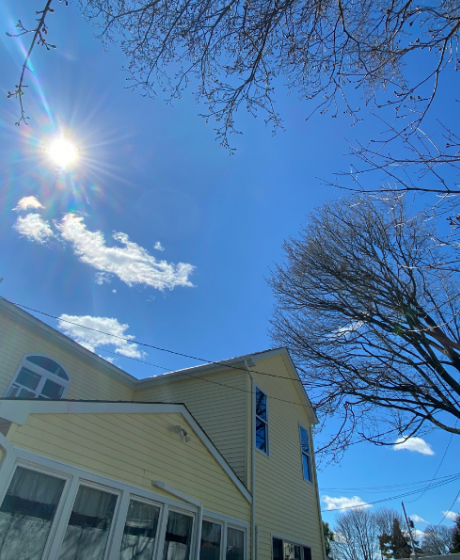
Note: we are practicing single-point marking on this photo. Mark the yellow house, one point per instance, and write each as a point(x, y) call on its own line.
point(209, 463)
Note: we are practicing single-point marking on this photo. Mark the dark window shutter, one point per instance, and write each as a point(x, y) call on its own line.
point(306, 553)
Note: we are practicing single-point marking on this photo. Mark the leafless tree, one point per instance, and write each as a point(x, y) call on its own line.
point(370, 312)
point(384, 518)
point(236, 52)
point(437, 540)
point(356, 536)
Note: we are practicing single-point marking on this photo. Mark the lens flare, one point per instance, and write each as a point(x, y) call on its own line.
point(62, 152)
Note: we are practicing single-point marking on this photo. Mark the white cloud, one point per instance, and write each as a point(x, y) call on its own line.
point(418, 535)
point(416, 444)
point(336, 503)
point(158, 246)
point(417, 519)
point(28, 202)
point(34, 227)
point(91, 338)
point(130, 262)
point(103, 278)
point(114, 291)
point(450, 515)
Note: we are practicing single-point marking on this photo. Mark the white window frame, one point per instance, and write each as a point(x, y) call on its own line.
point(266, 453)
point(75, 477)
point(302, 427)
point(289, 541)
point(226, 522)
point(44, 374)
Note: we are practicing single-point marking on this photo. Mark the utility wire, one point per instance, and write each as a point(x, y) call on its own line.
point(449, 509)
point(220, 364)
point(147, 345)
point(437, 470)
point(169, 351)
point(410, 493)
point(386, 487)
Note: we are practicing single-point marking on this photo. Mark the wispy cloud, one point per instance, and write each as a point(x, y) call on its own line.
point(34, 227)
point(91, 338)
point(130, 262)
point(158, 246)
point(450, 515)
point(417, 519)
point(336, 503)
point(416, 444)
point(28, 202)
point(127, 260)
point(103, 278)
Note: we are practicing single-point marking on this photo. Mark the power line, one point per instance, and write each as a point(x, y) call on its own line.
point(386, 487)
point(147, 345)
point(169, 351)
point(449, 509)
point(439, 466)
point(410, 493)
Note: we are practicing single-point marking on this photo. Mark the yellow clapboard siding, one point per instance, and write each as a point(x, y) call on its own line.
point(219, 404)
point(87, 382)
point(156, 452)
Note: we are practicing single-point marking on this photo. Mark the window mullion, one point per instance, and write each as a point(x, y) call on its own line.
point(224, 540)
point(118, 527)
point(161, 533)
point(64, 517)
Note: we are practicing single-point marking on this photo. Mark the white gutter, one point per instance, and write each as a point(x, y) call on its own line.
point(253, 463)
point(170, 490)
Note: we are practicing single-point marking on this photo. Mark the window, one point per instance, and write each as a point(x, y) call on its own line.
point(178, 536)
point(306, 455)
point(285, 550)
point(27, 513)
point(211, 535)
point(235, 544)
point(261, 421)
point(89, 525)
point(140, 531)
point(38, 377)
point(215, 547)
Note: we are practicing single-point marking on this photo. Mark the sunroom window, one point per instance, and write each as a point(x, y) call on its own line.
point(27, 513)
point(38, 377)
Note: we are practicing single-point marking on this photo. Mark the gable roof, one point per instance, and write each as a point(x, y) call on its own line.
point(18, 410)
point(240, 363)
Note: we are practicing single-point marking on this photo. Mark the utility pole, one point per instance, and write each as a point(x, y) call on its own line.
point(410, 532)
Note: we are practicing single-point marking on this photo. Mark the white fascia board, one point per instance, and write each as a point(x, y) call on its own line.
point(31, 323)
point(190, 373)
point(17, 411)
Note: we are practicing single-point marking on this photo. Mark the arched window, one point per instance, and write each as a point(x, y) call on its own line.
point(38, 377)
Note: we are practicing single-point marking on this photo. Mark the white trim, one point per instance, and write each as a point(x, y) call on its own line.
point(181, 495)
point(17, 411)
point(45, 375)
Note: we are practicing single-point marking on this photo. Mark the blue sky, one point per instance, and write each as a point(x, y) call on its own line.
point(155, 175)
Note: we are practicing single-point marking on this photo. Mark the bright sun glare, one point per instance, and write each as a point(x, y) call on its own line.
point(62, 152)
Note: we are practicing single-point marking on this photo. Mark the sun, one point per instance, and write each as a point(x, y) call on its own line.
point(62, 152)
